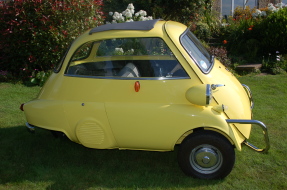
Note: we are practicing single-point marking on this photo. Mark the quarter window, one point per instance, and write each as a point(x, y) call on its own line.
point(197, 51)
point(126, 58)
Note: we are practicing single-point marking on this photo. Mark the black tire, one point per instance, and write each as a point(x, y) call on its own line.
point(58, 134)
point(206, 155)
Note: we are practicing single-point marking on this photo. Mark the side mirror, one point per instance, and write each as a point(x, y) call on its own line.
point(200, 95)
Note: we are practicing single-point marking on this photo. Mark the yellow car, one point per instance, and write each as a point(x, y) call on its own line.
point(148, 85)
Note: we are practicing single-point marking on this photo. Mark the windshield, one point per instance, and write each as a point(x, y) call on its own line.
point(197, 51)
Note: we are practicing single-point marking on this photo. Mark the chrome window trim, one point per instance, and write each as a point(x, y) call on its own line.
point(128, 78)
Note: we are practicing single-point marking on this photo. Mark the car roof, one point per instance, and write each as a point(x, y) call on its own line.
point(138, 25)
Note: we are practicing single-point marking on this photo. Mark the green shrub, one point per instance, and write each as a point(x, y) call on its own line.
point(35, 33)
point(274, 32)
point(202, 30)
point(221, 54)
point(240, 37)
point(275, 64)
point(257, 36)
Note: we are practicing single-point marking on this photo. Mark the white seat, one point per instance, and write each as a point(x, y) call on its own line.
point(130, 70)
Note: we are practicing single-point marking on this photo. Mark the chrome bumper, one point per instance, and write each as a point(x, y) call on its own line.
point(248, 91)
point(30, 128)
point(258, 123)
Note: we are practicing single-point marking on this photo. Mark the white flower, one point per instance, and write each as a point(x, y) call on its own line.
point(131, 6)
point(272, 8)
point(263, 13)
point(142, 13)
point(116, 16)
point(119, 50)
point(129, 52)
point(127, 13)
point(257, 13)
point(278, 58)
point(224, 24)
point(280, 5)
point(142, 18)
point(149, 18)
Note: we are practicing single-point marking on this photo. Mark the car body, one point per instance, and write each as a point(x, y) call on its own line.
point(148, 85)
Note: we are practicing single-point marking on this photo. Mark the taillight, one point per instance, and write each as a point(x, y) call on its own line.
point(22, 107)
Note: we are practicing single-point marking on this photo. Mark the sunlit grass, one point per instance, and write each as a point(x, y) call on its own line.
point(39, 161)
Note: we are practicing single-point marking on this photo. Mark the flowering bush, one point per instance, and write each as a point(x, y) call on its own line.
point(245, 13)
point(254, 35)
point(35, 33)
point(273, 31)
point(269, 10)
point(129, 15)
point(184, 11)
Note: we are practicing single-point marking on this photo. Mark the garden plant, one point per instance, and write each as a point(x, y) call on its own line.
point(257, 35)
point(36, 33)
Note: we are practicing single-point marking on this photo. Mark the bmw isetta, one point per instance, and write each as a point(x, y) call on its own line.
point(148, 85)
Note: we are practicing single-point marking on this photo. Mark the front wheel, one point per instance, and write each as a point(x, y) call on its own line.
point(206, 155)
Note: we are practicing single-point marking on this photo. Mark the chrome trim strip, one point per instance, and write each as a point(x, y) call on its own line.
point(30, 127)
point(128, 78)
point(248, 91)
point(256, 122)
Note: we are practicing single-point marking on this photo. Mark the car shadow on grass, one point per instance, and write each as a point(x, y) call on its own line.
point(40, 161)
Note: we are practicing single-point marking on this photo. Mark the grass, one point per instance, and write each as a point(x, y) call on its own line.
point(40, 161)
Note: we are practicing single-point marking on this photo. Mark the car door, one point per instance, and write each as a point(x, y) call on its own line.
point(132, 89)
point(140, 97)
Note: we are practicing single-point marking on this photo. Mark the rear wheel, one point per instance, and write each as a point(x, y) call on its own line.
point(206, 155)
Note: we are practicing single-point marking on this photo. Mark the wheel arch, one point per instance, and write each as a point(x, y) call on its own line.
point(232, 136)
point(206, 154)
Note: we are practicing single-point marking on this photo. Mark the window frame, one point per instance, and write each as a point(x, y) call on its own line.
point(59, 66)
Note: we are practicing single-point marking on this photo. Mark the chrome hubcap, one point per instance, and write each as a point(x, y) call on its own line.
point(206, 159)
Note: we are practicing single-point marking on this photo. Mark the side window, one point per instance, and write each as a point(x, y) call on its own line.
point(83, 52)
point(126, 57)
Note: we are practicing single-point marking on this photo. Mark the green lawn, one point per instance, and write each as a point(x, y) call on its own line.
point(40, 161)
